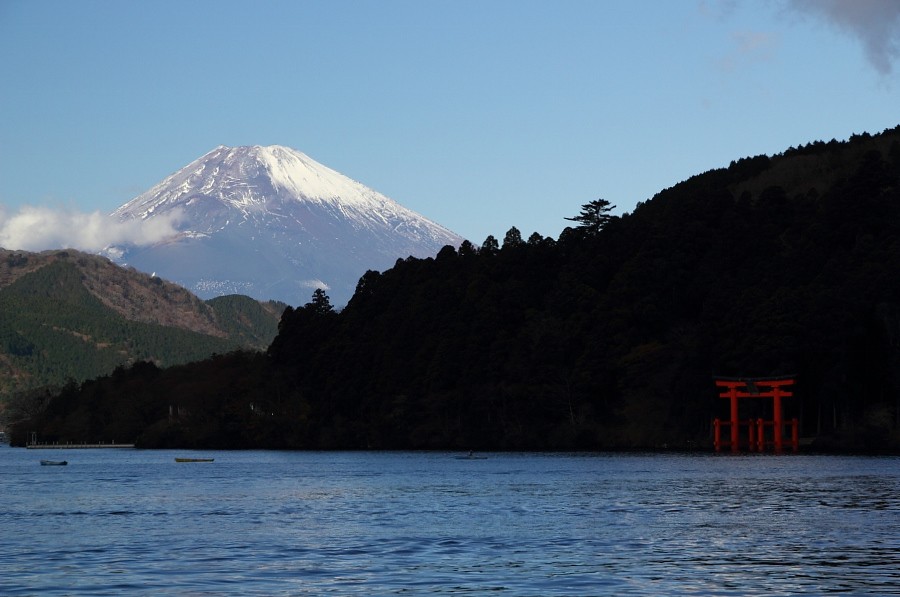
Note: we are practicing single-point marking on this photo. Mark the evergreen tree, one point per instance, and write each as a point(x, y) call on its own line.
point(467, 249)
point(594, 216)
point(490, 245)
point(320, 303)
point(513, 238)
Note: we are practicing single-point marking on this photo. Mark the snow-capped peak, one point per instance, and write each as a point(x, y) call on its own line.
point(246, 211)
point(250, 175)
point(298, 174)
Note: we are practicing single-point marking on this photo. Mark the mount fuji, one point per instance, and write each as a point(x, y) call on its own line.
point(272, 223)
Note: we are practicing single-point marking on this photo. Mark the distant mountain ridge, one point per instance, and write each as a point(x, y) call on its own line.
point(71, 315)
point(273, 223)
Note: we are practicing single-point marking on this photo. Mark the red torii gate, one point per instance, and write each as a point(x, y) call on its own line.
point(733, 389)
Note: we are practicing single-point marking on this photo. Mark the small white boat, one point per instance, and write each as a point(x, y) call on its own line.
point(54, 462)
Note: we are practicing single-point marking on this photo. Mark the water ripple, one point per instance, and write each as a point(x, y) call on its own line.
point(260, 523)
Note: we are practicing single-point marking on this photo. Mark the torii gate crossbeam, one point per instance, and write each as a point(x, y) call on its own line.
point(734, 390)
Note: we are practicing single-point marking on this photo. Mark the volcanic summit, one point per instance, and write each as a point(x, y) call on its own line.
point(272, 223)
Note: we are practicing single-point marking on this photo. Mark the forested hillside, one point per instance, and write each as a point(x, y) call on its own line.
point(606, 338)
point(66, 315)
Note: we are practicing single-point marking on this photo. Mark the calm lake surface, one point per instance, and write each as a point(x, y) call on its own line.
point(117, 522)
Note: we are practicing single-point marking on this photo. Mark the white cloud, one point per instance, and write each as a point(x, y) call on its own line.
point(315, 284)
point(874, 23)
point(40, 228)
point(750, 47)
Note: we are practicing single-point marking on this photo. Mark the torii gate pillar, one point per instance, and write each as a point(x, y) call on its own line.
point(734, 389)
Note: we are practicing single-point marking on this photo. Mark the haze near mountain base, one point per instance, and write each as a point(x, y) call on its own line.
point(272, 223)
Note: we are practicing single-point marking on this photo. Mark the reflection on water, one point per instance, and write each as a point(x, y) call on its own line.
point(264, 523)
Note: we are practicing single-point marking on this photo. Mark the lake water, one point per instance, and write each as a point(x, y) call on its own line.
point(117, 522)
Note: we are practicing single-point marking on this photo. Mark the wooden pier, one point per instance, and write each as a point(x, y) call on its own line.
point(75, 446)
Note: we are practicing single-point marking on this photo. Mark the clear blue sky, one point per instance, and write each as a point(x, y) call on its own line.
point(479, 114)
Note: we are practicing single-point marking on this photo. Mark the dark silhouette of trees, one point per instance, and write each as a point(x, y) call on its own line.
point(513, 238)
point(594, 216)
point(600, 340)
point(320, 303)
point(490, 245)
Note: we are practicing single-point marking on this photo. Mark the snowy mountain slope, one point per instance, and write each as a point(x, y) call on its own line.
point(272, 223)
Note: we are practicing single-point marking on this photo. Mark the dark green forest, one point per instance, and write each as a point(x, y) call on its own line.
point(53, 328)
point(608, 337)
